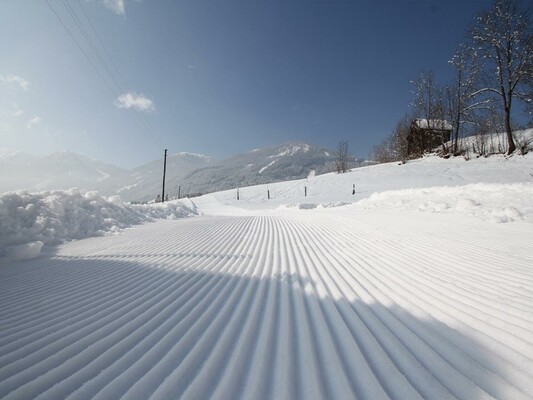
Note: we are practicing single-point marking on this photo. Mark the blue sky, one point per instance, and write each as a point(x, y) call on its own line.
point(216, 77)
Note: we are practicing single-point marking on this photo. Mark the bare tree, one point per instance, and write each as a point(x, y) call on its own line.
point(528, 89)
point(485, 136)
point(342, 157)
point(425, 94)
point(399, 138)
point(429, 103)
point(503, 36)
point(463, 99)
point(394, 146)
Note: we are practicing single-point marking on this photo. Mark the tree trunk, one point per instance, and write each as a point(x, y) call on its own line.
point(510, 139)
point(456, 135)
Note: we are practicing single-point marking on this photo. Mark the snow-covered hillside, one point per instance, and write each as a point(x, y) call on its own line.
point(418, 286)
point(195, 173)
point(62, 170)
point(145, 182)
point(191, 174)
point(496, 187)
point(273, 164)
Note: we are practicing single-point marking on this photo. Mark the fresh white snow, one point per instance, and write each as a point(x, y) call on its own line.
point(492, 202)
point(30, 220)
point(291, 150)
point(433, 124)
point(266, 166)
point(418, 286)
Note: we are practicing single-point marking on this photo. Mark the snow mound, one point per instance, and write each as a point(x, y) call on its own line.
point(312, 206)
point(333, 204)
point(168, 210)
point(24, 251)
point(30, 220)
point(495, 202)
point(298, 206)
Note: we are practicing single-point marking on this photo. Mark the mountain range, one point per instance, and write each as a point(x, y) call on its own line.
point(187, 173)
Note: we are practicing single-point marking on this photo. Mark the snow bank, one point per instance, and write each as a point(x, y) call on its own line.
point(30, 220)
point(312, 206)
point(24, 251)
point(492, 202)
point(496, 143)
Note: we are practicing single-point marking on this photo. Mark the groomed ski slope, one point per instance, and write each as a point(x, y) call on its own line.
point(276, 303)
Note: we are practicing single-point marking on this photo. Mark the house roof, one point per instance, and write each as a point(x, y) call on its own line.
point(437, 124)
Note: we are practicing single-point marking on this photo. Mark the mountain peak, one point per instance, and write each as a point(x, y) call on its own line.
point(292, 148)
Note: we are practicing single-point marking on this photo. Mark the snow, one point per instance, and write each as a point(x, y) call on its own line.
point(493, 143)
point(266, 166)
point(104, 176)
point(433, 124)
point(418, 286)
point(291, 150)
point(24, 251)
point(127, 187)
point(64, 170)
point(30, 220)
point(491, 202)
point(429, 172)
point(197, 155)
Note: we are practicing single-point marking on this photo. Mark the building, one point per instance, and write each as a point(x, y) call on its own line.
point(425, 135)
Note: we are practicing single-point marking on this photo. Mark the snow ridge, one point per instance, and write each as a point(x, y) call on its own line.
point(30, 220)
point(267, 307)
point(493, 202)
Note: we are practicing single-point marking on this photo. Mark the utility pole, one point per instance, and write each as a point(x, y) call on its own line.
point(164, 173)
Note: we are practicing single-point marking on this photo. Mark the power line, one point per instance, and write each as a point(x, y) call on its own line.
point(79, 47)
point(141, 122)
point(72, 13)
point(119, 74)
point(102, 43)
point(121, 88)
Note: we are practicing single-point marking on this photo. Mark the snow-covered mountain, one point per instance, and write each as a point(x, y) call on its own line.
point(144, 182)
point(272, 164)
point(61, 170)
point(192, 173)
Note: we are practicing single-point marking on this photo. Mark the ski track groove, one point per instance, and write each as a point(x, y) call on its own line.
point(402, 301)
point(306, 306)
point(391, 275)
point(364, 336)
point(441, 283)
point(438, 360)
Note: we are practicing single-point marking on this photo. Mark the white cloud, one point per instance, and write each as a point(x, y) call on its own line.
point(23, 83)
point(117, 6)
point(133, 100)
point(33, 121)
